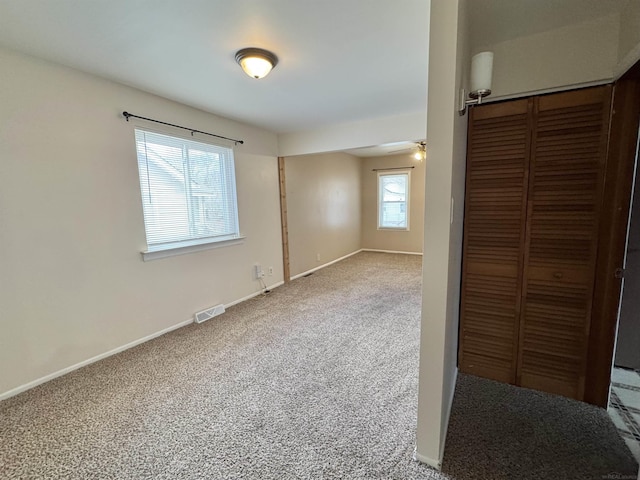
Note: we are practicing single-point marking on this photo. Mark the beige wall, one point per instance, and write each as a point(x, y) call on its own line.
point(629, 38)
point(72, 281)
point(323, 208)
point(568, 56)
point(629, 28)
point(400, 241)
point(444, 189)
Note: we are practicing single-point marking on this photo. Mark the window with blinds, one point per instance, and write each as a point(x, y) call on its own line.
point(188, 191)
point(393, 200)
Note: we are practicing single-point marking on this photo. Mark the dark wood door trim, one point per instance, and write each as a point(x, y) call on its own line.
point(623, 137)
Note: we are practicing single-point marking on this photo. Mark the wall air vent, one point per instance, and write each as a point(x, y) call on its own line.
point(205, 315)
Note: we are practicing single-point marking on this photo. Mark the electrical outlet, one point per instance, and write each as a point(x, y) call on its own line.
point(257, 270)
point(318, 257)
point(270, 271)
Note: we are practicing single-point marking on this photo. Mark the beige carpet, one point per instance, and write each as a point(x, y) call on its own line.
point(317, 380)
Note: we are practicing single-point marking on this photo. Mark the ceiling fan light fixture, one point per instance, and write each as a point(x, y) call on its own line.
point(256, 62)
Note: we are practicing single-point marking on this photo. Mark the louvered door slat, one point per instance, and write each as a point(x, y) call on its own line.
point(565, 184)
point(496, 191)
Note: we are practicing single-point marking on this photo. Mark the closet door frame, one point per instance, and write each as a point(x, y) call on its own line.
point(621, 151)
point(615, 209)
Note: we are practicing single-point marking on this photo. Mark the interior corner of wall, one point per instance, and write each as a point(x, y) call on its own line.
point(626, 62)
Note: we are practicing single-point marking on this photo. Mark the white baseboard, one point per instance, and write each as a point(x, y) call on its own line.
point(324, 265)
point(84, 363)
point(426, 460)
point(59, 373)
point(253, 295)
point(390, 251)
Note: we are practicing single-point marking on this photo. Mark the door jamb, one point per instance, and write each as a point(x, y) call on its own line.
point(621, 151)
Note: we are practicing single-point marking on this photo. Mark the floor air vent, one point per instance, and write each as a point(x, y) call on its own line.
point(205, 315)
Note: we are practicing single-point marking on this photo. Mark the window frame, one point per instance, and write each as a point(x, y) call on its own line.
point(407, 201)
point(179, 247)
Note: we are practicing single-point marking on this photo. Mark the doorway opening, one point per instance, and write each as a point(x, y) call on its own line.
point(624, 397)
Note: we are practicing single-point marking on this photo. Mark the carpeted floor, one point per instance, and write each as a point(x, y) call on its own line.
point(501, 432)
point(317, 380)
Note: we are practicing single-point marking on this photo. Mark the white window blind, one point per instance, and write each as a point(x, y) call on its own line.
point(188, 191)
point(393, 200)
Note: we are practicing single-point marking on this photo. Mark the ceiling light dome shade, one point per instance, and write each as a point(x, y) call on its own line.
point(256, 62)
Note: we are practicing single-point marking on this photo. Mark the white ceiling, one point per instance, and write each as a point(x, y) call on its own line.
point(396, 148)
point(339, 60)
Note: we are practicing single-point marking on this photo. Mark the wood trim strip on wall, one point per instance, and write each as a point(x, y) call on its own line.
point(283, 220)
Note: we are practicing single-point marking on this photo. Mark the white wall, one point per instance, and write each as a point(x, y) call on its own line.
point(445, 170)
point(365, 133)
point(570, 56)
point(72, 281)
point(400, 240)
point(323, 209)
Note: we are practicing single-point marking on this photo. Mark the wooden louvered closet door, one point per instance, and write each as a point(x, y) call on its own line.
point(496, 192)
point(565, 195)
point(535, 171)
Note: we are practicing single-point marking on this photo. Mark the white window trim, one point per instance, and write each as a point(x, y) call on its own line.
point(383, 173)
point(166, 250)
point(180, 248)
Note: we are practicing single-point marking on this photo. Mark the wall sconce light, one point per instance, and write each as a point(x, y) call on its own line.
point(481, 73)
point(421, 153)
point(256, 62)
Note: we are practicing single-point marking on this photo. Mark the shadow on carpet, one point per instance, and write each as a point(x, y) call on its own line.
point(499, 431)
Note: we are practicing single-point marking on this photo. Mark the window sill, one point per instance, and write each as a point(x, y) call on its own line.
point(181, 248)
point(394, 229)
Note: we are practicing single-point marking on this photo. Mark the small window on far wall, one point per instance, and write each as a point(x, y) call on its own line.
point(188, 191)
point(393, 200)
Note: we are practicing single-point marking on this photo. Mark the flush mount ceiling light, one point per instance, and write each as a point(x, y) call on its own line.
point(256, 62)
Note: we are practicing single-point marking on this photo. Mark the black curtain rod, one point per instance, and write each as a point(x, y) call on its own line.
point(392, 168)
point(127, 115)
